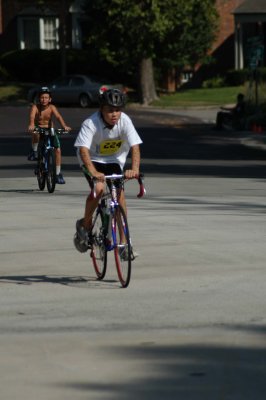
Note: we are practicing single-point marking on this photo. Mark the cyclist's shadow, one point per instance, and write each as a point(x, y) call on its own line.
point(77, 281)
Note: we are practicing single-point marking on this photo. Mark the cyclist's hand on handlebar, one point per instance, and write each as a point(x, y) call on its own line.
point(99, 176)
point(31, 128)
point(131, 174)
point(67, 128)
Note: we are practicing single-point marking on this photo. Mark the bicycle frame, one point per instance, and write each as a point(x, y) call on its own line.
point(46, 168)
point(112, 233)
point(46, 146)
point(111, 195)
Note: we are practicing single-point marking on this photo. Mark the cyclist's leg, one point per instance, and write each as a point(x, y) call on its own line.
point(58, 160)
point(34, 147)
point(35, 139)
point(91, 203)
point(57, 146)
point(83, 225)
point(58, 157)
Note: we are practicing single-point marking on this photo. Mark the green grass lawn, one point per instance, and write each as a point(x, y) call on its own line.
point(14, 92)
point(199, 97)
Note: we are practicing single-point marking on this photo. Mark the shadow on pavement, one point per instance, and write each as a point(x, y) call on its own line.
point(77, 281)
point(191, 372)
point(167, 150)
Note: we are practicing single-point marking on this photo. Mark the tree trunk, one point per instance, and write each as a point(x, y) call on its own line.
point(147, 84)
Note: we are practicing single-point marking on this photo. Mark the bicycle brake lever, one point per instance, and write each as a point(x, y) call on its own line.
point(142, 190)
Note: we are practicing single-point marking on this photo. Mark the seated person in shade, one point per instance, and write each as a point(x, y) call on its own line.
point(233, 116)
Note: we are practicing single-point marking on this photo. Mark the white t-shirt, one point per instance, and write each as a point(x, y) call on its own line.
point(107, 145)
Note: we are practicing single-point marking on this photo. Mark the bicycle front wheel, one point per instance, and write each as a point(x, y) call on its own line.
point(40, 173)
point(98, 250)
point(51, 171)
point(122, 246)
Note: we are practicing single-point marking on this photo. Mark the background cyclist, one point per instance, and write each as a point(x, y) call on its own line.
point(41, 115)
point(103, 143)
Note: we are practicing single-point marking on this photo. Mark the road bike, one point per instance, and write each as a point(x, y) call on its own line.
point(46, 166)
point(110, 230)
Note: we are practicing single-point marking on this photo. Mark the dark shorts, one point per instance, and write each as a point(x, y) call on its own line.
point(106, 169)
point(56, 141)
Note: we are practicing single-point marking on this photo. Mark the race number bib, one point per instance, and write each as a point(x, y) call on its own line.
point(110, 146)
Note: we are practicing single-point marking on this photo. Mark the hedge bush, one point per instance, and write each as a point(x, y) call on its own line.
point(239, 77)
point(45, 65)
point(31, 65)
point(216, 82)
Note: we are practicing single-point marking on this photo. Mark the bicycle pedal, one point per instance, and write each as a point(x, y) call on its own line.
point(81, 247)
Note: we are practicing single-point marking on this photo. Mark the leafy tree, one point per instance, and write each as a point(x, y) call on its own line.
point(136, 34)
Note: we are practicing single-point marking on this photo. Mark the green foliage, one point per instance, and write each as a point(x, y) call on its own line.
point(216, 82)
point(34, 65)
point(261, 74)
point(237, 77)
point(192, 31)
point(13, 92)
point(3, 73)
point(44, 65)
point(172, 32)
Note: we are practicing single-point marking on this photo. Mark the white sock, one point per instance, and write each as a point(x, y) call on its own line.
point(58, 169)
point(34, 146)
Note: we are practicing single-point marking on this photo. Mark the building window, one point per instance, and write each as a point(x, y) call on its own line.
point(31, 34)
point(38, 33)
point(50, 33)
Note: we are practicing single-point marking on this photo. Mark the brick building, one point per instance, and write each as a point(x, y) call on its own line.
point(26, 25)
point(223, 48)
point(250, 34)
point(241, 21)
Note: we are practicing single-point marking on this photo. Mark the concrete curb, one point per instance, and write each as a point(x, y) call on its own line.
point(255, 141)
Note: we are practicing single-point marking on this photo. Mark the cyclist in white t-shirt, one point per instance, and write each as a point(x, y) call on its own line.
point(103, 143)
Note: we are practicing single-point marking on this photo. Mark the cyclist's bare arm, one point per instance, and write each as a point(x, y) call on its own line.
point(135, 163)
point(60, 119)
point(86, 159)
point(33, 113)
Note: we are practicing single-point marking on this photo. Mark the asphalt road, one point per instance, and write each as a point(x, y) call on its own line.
point(192, 323)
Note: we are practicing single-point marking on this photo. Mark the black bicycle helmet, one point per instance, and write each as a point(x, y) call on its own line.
point(112, 97)
point(44, 90)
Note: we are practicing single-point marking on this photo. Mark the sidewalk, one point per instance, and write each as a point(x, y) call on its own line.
point(256, 140)
point(207, 115)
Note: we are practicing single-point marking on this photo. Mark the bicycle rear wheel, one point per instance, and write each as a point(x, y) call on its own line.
point(98, 251)
point(122, 246)
point(40, 173)
point(51, 171)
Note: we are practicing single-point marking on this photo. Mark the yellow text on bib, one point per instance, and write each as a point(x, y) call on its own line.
point(110, 146)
